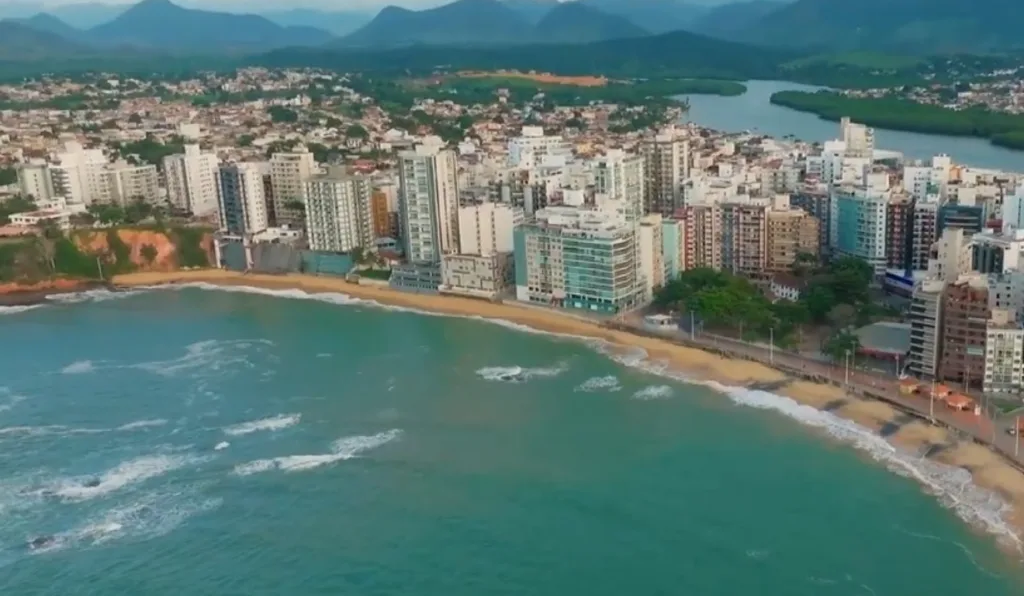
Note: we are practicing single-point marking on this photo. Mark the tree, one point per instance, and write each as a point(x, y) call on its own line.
point(840, 344)
point(8, 176)
point(135, 119)
point(282, 114)
point(804, 264)
point(148, 252)
point(356, 131)
point(15, 204)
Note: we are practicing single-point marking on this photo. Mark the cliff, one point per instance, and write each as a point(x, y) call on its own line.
point(85, 257)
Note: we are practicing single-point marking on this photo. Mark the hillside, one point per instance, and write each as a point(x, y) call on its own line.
point(925, 26)
point(19, 42)
point(574, 22)
point(338, 23)
point(531, 10)
point(159, 24)
point(461, 23)
point(731, 21)
point(47, 23)
point(676, 54)
point(656, 16)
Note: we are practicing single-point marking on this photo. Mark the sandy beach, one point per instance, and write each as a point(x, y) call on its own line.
point(913, 437)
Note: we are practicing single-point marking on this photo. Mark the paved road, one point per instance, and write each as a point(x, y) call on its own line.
point(980, 427)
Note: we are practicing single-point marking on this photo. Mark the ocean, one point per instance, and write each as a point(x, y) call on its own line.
point(196, 441)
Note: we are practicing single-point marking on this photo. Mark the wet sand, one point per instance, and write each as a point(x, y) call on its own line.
point(988, 469)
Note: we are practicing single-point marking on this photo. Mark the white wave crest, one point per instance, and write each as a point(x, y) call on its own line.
point(653, 392)
point(605, 383)
point(272, 423)
point(61, 430)
point(972, 503)
point(342, 449)
point(13, 310)
point(151, 516)
point(209, 356)
point(517, 374)
point(79, 367)
point(97, 295)
point(221, 446)
point(142, 424)
point(127, 473)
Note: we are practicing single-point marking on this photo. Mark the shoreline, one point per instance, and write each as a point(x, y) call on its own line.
point(964, 475)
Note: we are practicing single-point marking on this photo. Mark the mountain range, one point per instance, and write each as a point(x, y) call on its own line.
point(488, 23)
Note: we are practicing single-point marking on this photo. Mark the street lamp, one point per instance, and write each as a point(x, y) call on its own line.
point(771, 345)
point(847, 361)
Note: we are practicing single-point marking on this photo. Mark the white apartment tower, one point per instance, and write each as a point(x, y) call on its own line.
point(339, 216)
point(288, 175)
point(620, 176)
point(428, 201)
point(80, 175)
point(859, 139)
point(533, 149)
point(487, 228)
point(129, 183)
point(192, 184)
point(34, 181)
point(667, 158)
point(243, 211)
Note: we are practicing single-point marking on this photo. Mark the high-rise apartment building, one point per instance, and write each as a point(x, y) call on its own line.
point(288, 175)
point(80, 175)
point(1004, 354)
point(381, 214)
point(859, 139)
point(924, 233)
point(965, 315)
point(790, 233)
point(533, 149)
point(702, 236)
point(34, 181)
point(192, 185)
point(898, 232)
point(673, 238)
point(428, 202)
point(130, 183)
point(579, 258)
point(667, 168)
point(926, 329)
point(487, 228)
point(339, 215)
point(744, 229)
point(620, 176)
point(818, 204)
point(859, 225)
point(650, 257)
point(243, 211)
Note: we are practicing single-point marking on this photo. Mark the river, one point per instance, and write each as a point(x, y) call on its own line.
point(754, 112)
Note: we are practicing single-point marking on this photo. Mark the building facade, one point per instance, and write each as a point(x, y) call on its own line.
point(487, 228)
point(965, 315)
point(790, 233)
point(339, 213)
point(243, 212)
point(192, 185)
point(428, 202)
point(289, 173)
point(667, 168)
point(1004, 355)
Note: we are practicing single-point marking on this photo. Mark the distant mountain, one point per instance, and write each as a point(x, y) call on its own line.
point(531, 10)
point(86, 15)
point(675, 54)
point(730, 21)
point(575, 22)
point(338, 23)
point(47, 23)
point(162, 25)
point(461, 23)
point(925, 26)
point(656, 16)
point(19, 42)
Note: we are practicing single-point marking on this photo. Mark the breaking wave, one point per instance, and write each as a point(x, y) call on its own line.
point(13, 310)
point(605, 383)
point(952, 485)
point(150, 516)
point(272, 423)
point(61, 430)
point(518, 374)
point(342, 449)
point(77, 368)
point(209, 356)
point(653, 392)
point(125, 474)
point(97, 295)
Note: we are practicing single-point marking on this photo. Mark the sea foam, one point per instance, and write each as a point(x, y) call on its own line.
point(517, 374)
point(79, 367)
point(97, 295)
point(653, 392)
point(605, 383)
point(952, 485)
point(342, 449)
point(134, 471)
point(272, 423)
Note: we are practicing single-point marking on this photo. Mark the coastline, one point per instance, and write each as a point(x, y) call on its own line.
point(742, 380)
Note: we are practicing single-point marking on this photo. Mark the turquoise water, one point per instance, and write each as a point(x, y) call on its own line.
point(201, 442)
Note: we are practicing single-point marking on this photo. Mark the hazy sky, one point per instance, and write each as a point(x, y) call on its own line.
point(277, 4)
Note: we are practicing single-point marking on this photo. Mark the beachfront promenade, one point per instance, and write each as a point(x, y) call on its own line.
point(865, 384)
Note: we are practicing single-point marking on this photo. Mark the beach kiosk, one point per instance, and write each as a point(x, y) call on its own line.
point(661, 322)
point(909, 386)
point(959, 402)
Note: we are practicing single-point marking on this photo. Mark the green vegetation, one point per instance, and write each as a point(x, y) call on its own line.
point(8, 176)
point(131, 214)
point(381, 274)
point(149, 150)
point(864, 60)
point(835, 295)
point(902, 114)
point(189, 247)
point(148, 252)
point(16, 204)
point(282, 114)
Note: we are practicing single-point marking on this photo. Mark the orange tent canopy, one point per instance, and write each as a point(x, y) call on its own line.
point(959, 402)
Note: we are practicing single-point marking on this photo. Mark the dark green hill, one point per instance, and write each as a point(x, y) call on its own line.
point(575, 22)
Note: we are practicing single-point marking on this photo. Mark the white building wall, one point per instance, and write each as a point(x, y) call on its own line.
point(487, 228)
